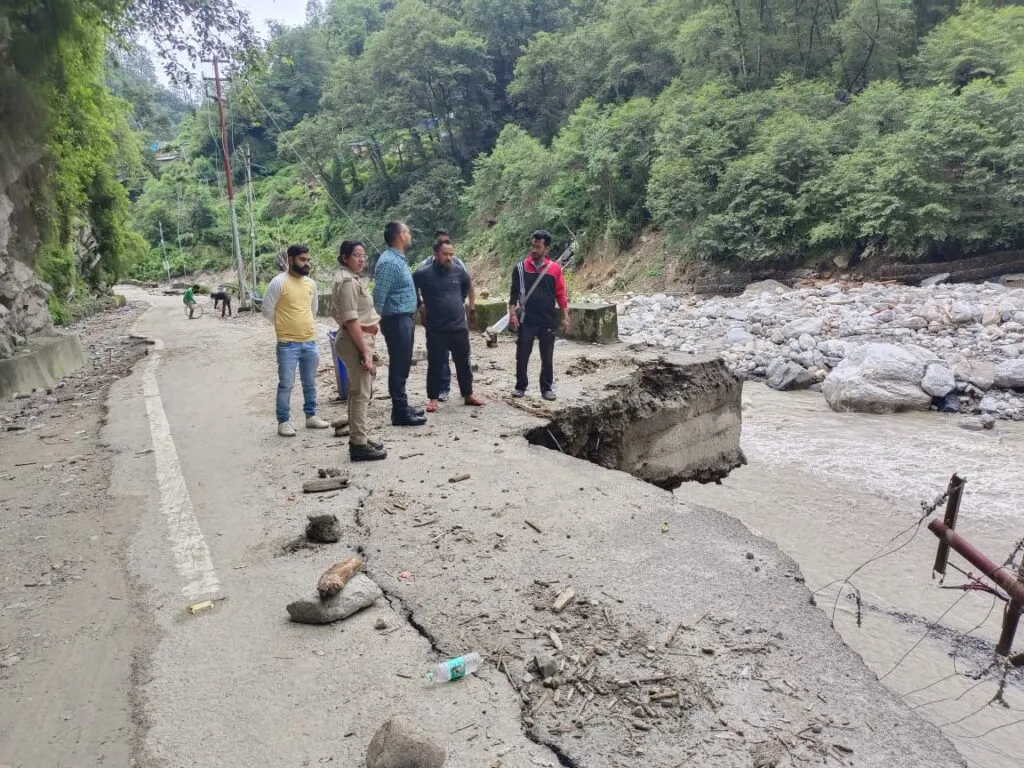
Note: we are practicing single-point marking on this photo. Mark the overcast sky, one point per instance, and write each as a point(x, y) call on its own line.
point(291, 12)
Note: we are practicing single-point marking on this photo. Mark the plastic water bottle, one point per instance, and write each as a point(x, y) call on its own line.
point(455, 669)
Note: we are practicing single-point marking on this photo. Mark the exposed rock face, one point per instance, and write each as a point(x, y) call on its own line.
point(23, 309)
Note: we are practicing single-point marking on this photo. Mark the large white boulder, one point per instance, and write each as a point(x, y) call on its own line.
point(794, 329)
point(1009, 374)
point(880, 378)
point(938, 380)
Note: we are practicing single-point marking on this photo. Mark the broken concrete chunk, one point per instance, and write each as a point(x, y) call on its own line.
point(337, 576)
point(567, 596)
point(360, 592)
point(675, 419)
point(400, 744)
point(325, 484)
point(324, 529)
point(547, 665)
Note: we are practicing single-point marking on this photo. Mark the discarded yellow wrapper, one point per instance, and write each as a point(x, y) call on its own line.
point(197, 607)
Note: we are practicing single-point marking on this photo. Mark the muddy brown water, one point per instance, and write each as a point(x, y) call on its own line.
point(833, 489)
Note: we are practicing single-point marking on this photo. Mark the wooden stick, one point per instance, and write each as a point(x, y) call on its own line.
point(642, 680)
point(334, 578)
point(536, 528)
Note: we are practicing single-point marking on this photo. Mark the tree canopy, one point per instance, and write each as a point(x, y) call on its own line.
point(744, 130)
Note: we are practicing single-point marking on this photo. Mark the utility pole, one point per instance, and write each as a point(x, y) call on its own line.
point(250, 201)
point(177, 227)
point(163, 251)
point(243, 294)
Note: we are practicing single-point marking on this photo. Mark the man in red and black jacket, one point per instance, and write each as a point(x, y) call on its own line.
point(537, 286)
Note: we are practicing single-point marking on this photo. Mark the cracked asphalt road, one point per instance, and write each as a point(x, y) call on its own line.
point(240, 685)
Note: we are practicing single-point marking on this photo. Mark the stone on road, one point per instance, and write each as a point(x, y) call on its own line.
point(400, 744)
point(360, 592)
point(323, 529)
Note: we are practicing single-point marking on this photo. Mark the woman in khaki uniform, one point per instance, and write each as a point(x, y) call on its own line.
point(352, 308)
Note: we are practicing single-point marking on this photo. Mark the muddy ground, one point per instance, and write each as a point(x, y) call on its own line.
point(69, 624)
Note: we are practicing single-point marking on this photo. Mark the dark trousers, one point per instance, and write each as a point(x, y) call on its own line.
point(524, 348)
point(225, 307)
point(398, 333)
point(439, 344)
point(446, 374)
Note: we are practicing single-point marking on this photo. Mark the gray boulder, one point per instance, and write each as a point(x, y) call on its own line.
point(961, 313)
point(1009, 374)
point(978, 373)
point(785, 375)
point(977, 423)
point(879, 378)
point(360, 592)
point(738, 336)
point(794, 329)
point(400, 744)
point(938, 380)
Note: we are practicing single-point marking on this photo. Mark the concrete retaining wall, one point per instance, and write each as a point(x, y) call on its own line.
point(43, 362)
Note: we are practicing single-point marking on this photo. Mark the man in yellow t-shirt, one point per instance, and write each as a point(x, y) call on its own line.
point(291, 304)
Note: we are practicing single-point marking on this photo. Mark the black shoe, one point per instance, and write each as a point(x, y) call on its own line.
point(409, 419)
point(366, 452)
point(417, 411)
point(375, 444)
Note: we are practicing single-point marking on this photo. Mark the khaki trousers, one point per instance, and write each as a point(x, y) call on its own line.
point(360, 387)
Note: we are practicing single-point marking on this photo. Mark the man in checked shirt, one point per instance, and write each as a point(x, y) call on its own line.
point(394, 294)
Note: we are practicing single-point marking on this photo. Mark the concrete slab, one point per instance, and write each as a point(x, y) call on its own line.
point(42, 363)
point(593, 323)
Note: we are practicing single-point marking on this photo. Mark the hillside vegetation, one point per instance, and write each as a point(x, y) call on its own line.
point(746, 132)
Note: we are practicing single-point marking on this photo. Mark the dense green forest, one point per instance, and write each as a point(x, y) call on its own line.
point(78, 105)
point(768, 131)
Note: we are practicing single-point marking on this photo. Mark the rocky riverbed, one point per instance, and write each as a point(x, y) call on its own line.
point(874, 347)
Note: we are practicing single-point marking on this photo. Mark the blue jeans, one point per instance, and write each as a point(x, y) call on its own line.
point(289, 354)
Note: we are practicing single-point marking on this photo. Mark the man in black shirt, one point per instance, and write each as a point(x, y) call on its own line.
point(443, 285)
point(538, 286)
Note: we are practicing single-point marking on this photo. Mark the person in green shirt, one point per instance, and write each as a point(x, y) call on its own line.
point(190, 299)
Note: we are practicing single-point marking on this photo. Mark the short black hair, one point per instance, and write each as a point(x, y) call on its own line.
point(297, 250)
point(348, 247)
point(392, 230)
point(439, 243)
point(442, 234)
point(542, 234)
point(195, 287)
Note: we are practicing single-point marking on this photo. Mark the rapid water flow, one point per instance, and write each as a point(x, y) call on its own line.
point(832, 488)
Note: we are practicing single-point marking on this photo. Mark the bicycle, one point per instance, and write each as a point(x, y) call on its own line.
point(197, 310)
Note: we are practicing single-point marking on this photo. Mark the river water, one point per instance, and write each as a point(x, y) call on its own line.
point(831, 489)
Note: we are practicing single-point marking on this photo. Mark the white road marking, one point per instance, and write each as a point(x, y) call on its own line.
point(191, 555)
